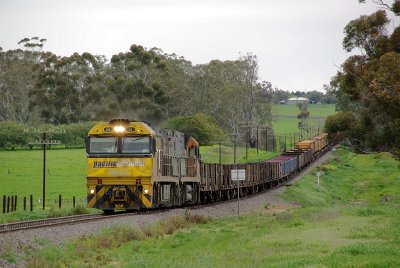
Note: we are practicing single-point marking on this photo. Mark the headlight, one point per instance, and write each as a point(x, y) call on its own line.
point(146, 191)
point(119, 129)
point(92, 191)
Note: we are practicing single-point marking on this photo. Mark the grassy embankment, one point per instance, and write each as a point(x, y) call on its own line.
point(351, 220)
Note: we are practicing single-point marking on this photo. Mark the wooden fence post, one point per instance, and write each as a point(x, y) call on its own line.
point(12, 203)
point(73, 201)
point(4, 203)
point(15, 203)
point(24, 203)
point(59, 201)
point(31, 201)
point(8, 204)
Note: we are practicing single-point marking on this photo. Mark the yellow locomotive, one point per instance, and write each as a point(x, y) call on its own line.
point(132, 165)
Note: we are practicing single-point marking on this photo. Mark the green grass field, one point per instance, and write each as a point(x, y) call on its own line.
point(22, 173)
point(284, 121)
point(316, 110)
point(351, 220)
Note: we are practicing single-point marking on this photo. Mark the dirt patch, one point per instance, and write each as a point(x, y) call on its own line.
point(359, 202)
point(279, 208)
point(362, 184)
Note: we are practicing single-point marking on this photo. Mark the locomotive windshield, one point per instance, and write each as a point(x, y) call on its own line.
point(103, 145)
point(119, 145)
point(136, 145)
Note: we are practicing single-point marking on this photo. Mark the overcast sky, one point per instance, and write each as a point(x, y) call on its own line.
point(298, 43)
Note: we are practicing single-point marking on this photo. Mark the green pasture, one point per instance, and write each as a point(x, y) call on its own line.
point(21, 174)
point(316, 110)
point(351, 219)
point(285, 117)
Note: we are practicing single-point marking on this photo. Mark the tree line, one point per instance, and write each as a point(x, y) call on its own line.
point(39, 87)
point(276, 95)
point(368, 84)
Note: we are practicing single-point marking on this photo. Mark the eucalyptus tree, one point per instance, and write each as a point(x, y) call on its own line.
point(231, 92)
point(368, 84)
point(136, 79)
point(18, 71)
point(178, 96)
point(66, 86)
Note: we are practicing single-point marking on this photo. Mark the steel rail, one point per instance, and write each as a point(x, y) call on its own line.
point(40, 223)
point(23, 225)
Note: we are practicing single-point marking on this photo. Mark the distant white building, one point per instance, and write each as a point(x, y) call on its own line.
point(297, 100)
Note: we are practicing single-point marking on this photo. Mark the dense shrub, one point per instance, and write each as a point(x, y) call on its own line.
point(12, 134)
point(202, 127)
point(339, 125)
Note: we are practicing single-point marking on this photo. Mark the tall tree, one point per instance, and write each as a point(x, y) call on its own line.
point(367, 85)
point(64, 87)
point(18, 72)
point(136, 80)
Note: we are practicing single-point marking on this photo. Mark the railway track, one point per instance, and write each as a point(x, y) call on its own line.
point(23, 225)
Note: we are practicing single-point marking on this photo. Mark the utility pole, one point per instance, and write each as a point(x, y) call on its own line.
point(248, 126)
point(234, 151)
point(294, 139)
point(234, 137)
point(285, 142)
point(43, 140)
point(257, 139)
point(220, 149)
point(220, 156)
point(246, 148)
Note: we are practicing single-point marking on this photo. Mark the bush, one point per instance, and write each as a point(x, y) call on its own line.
point(200, 126)
point(339, 125)
point(12, 134)
point(80, 210)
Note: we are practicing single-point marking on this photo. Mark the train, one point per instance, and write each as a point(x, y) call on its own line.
point(133, 165)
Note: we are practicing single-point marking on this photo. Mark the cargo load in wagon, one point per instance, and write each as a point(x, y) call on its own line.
point(306, 144)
